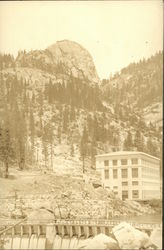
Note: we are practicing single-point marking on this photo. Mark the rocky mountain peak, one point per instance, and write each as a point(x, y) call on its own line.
point(64, 57)
point(76, 58)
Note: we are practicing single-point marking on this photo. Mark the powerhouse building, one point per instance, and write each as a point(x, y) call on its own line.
point(131, 175)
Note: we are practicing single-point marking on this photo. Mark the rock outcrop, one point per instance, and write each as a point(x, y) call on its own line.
point(63, 57)
point(130, 238)
point(100, 241)
point(74, 57)
point(124, 236)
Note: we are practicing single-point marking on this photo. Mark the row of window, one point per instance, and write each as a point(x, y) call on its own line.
point(134, 183)
point(123, 162)
point(125, 183)
point(124, 173)
point(135, 194)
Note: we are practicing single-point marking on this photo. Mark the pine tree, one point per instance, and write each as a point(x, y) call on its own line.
point(6, 149)
point(65, 120)
point(83, 146)
point(32, 133)
point(139, 141)
point(128, 143)
point(59, 133)
point(72, 150)
point(151, 147)
point(93, 153)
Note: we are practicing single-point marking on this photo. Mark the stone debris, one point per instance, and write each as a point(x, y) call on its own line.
point(130, 238)
point(100, 241)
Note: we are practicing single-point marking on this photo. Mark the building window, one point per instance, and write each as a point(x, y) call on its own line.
point(124, 162)
point(115, 187)
point(106, 163)
point(115, 192)
point(135, 194)
point(124, 183)
point(114, 173)
point(134, 161)
point(124, 173)
point(124, 195)
point(106, 174)
point(134, 172)
point(135, 183)
point(114, 162)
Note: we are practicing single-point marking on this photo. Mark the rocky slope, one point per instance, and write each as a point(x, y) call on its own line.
point(65, 195)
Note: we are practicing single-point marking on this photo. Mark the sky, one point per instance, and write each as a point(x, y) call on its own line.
point(115, 33)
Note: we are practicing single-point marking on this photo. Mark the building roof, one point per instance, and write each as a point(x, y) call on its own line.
point(122, 153)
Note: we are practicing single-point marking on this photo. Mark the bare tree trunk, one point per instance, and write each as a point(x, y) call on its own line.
point(83, 165)
point(6, 169)
point(51, 157)
point(59, 211)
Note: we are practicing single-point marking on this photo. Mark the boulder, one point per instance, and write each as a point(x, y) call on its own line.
point(156, 238)
point(130, 238)
point(100, 241)
point(17, 214)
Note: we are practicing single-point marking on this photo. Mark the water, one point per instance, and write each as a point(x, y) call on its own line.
point(24, 243)
point(65, 243)
point(16, 242)
point(41, 243)
point(57, 242)
point(33, 242)
point(73, 243)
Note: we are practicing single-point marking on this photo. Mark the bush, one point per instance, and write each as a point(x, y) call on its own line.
point(155, 203)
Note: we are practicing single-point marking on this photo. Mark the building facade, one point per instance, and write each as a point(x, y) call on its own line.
point(131, 175)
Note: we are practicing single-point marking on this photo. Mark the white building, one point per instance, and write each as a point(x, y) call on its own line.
point(131, 175)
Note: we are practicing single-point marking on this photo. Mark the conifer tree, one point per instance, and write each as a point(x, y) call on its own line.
point(6, 149)
point(151, 147)
point(128, 143)
point(93, 152)
point(139, 141)
point(59, 133)
point(72, 150)
point(65, 120)
point(83, 146)
point(32, 133)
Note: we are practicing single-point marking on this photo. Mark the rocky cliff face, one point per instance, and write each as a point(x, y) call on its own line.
point(76, 58)
point(62, 57)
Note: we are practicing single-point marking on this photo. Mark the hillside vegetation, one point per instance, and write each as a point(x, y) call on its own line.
point(54, 111)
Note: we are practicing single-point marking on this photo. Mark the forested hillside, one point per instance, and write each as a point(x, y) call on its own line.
point(136, 87)
point(52, 116)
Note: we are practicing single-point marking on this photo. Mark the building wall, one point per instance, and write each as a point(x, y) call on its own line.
point(150, 179)
point(144, 186)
